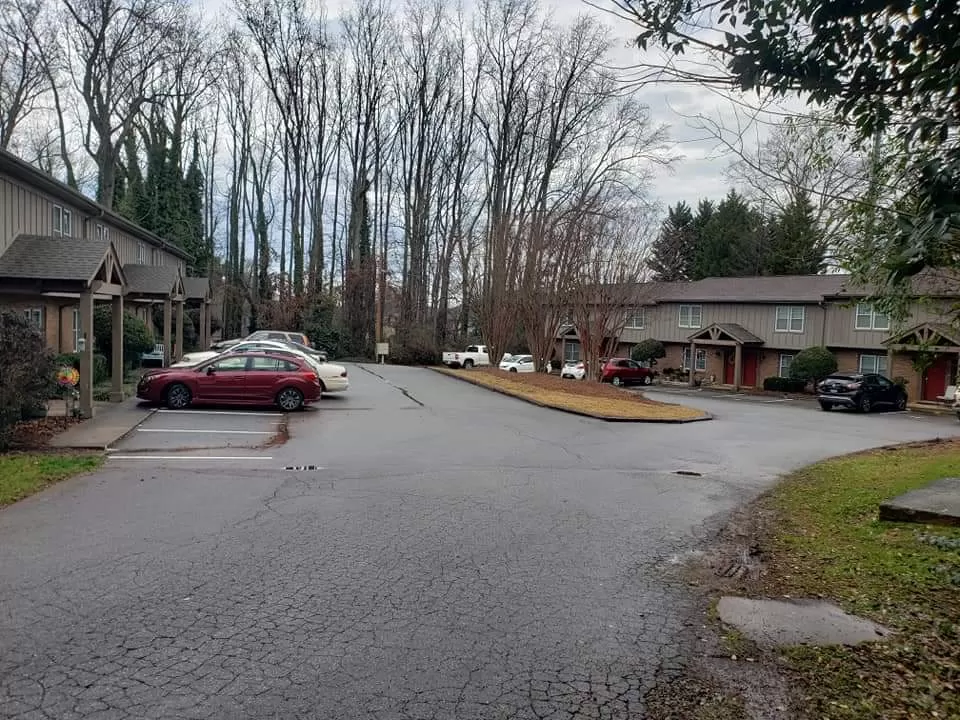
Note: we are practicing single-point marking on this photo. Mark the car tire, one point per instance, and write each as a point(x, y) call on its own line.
point(513, 370)
point(467, 364)
point(177, 396)
point(617, 381)
point(826, 407)
point(648, 380)
point(901, 403)
point(290, 399)
point(865, 405)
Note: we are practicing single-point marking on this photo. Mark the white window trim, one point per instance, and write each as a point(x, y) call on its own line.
point(790, 317)
point(141, 254)
point(877, 360)
point(780, 360)
point(77, 332)
point(102, 232)
point(632, 317)
point(690, 324)
point(699, 361)
point(35, 313)
point(872, 314)
point(62, 221)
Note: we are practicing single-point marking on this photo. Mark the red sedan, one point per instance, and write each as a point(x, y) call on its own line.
point(621, 371)
point(237, 379)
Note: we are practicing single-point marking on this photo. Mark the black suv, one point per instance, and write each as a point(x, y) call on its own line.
point(861, 392)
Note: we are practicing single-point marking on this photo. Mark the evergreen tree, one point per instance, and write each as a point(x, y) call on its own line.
point(674, 250)
point(731, 243)
point(796, 243)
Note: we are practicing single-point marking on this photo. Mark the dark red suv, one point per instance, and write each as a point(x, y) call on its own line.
point(621, 371)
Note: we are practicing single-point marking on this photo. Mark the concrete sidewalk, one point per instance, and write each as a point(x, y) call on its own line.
point(110, 422)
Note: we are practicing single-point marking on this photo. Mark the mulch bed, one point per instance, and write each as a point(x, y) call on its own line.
point(574, 387)
point(35, 434)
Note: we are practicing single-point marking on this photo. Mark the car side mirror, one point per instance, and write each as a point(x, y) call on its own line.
point(210, 370)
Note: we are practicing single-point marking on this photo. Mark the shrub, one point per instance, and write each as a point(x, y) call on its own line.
point(101, 365)
point(648, 350)
point(137, 338)
point(783, 384)
point(26, 372)
point(813, 364)
point(418, 349)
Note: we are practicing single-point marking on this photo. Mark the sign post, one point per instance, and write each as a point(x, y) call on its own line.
point(383, 349)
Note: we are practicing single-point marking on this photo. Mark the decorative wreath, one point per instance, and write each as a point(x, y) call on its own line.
point(68, 376)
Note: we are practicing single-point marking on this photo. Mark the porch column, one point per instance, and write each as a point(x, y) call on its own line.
point(207, 324)
point(693, 363)
point(179, 345)
point(116, 318)
point(204, 338)
point(167, 322)
point(737, 366)
point(86, 354)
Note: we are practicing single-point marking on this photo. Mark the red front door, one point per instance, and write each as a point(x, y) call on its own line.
point(937, 377)
point(749, 368)
point(729, 366)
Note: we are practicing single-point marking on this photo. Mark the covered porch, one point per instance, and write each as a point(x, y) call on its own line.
point(927, 357)
point(739, 348)
point(43, 268)
point(150, 285)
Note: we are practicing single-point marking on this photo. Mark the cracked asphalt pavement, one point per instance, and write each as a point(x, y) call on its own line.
point(455, 554)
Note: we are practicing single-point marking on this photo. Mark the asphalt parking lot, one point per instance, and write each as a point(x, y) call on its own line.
point(212, 434)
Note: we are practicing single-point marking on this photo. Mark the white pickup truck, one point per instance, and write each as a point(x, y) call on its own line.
point(473, 356)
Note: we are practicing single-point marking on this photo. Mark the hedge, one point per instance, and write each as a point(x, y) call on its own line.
point(783, 384)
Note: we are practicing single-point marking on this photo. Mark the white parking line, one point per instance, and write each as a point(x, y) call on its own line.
point(221, 412)
point(207, 432)
point(188, 457)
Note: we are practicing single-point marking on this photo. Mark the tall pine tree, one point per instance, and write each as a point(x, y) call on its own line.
point(674, 251)
point(796, 243)
point(732, 241)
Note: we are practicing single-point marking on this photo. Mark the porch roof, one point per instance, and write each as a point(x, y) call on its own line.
point(154, 281)
point(725, 333)
point(46, 263)
point(926, 335)
point(196, 288)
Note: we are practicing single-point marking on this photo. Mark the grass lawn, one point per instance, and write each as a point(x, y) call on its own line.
point(825, 540)
point(592, 398)
point(22, 475)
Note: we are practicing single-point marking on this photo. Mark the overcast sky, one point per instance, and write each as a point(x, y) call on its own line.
point(699, 172)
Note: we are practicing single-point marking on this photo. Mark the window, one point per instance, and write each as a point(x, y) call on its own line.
point(231, 364)
point(571, 352)
point(141, 254)
point(102, 233)
point(62, 222)
point(34, 316)
point(690, 316)
point(783, 369)
point(77, 332)
point(157, 257)
point(701, 360)
point(870, 319)
point(272, 364)
point(873, 364)
point(790, 318)
point(635, 319)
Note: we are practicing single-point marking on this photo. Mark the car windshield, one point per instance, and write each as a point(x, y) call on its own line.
point(507, 358)
point(844, 378)
point(524, 359)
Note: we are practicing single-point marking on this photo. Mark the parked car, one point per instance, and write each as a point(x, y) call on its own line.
point(574, 370)
point(333, 377)
point(248, 378)
point(280, 335)
point(517, 363)
point(473, 356)
point(860, 391)
point(621, 371)
point(195, 358)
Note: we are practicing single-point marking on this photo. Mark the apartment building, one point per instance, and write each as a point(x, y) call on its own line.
point(61, 254)
point(739, 331)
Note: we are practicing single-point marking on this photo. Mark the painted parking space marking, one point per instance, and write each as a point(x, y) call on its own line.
point(222, 458)
point(207, 432)
point(220, 412)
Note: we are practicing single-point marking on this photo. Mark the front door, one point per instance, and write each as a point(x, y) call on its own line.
point(729, 366)
point(937, 377)
point(749, 368)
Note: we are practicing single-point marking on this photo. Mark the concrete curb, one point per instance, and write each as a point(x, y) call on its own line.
point(580, 413)
point(114, 441)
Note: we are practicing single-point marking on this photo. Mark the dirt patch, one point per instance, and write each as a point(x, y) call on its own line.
point(587, 398)
point(34, 435)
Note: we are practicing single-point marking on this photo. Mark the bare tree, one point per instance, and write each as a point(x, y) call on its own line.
point(22, 76)
point(116, 45)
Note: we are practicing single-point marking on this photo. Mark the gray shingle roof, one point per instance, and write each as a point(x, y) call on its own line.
point(196, 288)
point(39, 257)
point(151, 279)
point(782, 289)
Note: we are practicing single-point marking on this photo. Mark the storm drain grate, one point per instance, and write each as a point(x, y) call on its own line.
point(300, 468)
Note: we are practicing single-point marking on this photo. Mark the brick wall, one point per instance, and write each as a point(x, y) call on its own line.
point(903, 367)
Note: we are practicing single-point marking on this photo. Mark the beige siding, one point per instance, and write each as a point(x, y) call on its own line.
point(842, 322)
point(26, 211)
point(663, 323)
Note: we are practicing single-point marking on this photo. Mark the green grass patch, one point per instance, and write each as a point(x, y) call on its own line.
point(22, 475)
point(827, 541)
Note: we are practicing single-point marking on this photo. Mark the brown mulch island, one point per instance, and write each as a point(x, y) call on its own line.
point(590, 398)
point(36, 434)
